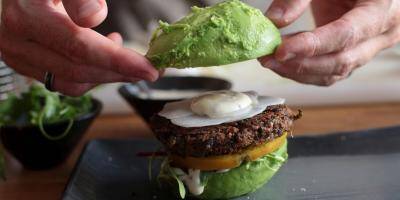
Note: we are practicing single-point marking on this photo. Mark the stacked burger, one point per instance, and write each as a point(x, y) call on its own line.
point(223, 144)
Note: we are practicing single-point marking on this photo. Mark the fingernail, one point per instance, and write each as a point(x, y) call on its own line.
point(89, 8)
point(153, 78)
point(271, 64)
point(275, 13)
point(288, 57)
point(148, 76)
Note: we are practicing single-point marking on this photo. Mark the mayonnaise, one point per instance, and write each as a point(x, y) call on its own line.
point(191, 180)
point(223, 170)
point(219, 104)
point(217, 107)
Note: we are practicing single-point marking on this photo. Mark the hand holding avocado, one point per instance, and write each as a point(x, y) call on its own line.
point(349, 34)
point(56, 37)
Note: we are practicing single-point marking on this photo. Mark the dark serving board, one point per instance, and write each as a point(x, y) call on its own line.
point(363, 165)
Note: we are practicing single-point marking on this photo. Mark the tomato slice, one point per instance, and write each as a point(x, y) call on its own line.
point(227, 161)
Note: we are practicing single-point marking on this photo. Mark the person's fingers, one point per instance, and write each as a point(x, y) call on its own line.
point(161, 72)
point(60, 85)
point(44, 59)
point(339, 64)
point(86, 13)
point(269, 62)
point(116, 37)
point(324, 11)
point(342, 63)
point(327, 69)
point(284, 12)
point(71, 88)
point(357, 25)
point(81, 45)
point(320, 80)
point(316, 79)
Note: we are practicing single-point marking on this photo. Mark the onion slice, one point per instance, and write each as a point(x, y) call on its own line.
point(181, 114)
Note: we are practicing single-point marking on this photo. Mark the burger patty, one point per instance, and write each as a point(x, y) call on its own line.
point(227, 138)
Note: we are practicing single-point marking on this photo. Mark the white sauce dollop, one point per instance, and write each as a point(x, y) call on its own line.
point(217, 108)
point(223, 170)
point(191, 180)
point(219, 104)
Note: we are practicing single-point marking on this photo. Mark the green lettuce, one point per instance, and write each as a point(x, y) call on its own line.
point(39, 106)
point(239, 181)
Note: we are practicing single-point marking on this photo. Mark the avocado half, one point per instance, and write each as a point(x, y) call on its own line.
point(225, 33)
point(239, 181)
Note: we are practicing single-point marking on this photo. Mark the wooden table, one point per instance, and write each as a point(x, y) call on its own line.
point(49, 185)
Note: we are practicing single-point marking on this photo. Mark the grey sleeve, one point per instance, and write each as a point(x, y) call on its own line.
point(134, 19)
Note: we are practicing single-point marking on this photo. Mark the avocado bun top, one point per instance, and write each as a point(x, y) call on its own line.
point(225, 33)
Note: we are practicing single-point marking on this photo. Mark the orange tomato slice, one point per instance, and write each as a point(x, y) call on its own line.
point(227, 161)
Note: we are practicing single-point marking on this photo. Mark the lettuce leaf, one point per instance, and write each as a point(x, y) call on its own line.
point(39, 106)
point(168, 176)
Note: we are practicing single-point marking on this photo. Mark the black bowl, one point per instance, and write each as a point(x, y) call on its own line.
point(36, 152)
point(147, 107)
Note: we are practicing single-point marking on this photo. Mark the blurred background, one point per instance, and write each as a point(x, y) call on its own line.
point(378, 81)
point(6, 80)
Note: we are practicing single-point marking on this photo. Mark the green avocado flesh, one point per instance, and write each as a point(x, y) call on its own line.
point(225, 33)
point(239, 181)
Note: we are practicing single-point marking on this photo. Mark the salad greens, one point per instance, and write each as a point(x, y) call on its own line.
point(39, 107)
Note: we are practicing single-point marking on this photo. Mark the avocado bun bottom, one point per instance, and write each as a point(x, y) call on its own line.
point(246, 178)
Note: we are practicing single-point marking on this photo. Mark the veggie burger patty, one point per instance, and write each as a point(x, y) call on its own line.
point(226, 138)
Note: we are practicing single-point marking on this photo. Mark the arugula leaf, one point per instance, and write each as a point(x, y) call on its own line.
point(167, 172)
point(39, 106)
point(181, 186)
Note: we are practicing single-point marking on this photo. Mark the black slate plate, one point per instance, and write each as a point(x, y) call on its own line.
point(359, 166)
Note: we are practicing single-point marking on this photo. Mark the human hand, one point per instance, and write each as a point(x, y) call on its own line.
point(39, 36)
point(349, 34)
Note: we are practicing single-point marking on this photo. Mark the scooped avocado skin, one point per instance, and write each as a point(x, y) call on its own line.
point(225, 33)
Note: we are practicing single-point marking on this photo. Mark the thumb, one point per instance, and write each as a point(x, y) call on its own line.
point(284, 12)
point(86, 13)
point(116, 38)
